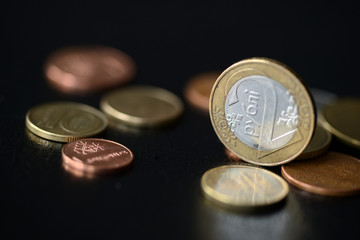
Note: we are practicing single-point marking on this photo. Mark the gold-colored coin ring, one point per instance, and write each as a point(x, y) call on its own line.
point(342, 118)
point(288, 79)
point(229, 201)
point(318, 145)
point(142, 106)
point(65, 121)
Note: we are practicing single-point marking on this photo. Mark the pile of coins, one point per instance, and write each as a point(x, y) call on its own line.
point(265, 116)
point(82, 70)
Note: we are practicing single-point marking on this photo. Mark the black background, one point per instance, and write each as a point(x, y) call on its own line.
point(170, 41)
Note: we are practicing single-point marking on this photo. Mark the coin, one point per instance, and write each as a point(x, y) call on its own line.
point(333, 174)
point(65, 121)
point(322, 98)
point(198, 89)
point(342, 119)
point(142, 106)
point(243, 186)
point(318, 145)
point(85, 69)
point(262, 112)
point(95, 156)
point(232, 156)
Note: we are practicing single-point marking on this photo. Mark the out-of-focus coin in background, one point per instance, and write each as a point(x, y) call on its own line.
point(342, 119)
point(88, 156)
point(87, 69)
point(322, 98)
point(332, 174)
point(318, 145)
point(232, 156)
point(243, 186)
point(142, 106)
point(65, 121)
point(262, 112)
point(198, 88)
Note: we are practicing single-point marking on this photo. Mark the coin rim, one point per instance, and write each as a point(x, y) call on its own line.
point(64, 137)
point(88, 168)
point(210, 193)
point(128, 119)
point(297, 79)
point(320, 190)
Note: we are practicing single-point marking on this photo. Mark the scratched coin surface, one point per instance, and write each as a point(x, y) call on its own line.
point(342, 119)
point(333, 174)
point(65, 121)
point(243, 186)
point(95, 156)
point(262, 111)
point(318, 145)
point(88, 68)
point(142, 106)
point(198, 89)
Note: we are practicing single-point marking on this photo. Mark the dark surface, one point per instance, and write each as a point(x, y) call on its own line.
point(160, 197)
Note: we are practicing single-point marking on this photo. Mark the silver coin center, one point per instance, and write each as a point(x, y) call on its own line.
point(261, 113)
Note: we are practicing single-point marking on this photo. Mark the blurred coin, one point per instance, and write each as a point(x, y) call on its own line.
point(198, 89)
point(65, 121)
point(84, 69)
point(142, 106)
point(333, 174)
point(232, 156)
point(318, 145)
point(88, 156)
point(322, 98)
point(262, 112)
point(342, 119)
point(243, 186)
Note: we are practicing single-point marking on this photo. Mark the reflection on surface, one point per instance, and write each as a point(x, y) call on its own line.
point(41, 141)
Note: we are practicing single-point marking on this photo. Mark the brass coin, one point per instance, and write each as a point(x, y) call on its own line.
point(342, 119)
point(333, 174)
point(198, 89)
point(65, 121)
point(262, 112)
point(318, 145)
point(142, 106)
point(243, 186)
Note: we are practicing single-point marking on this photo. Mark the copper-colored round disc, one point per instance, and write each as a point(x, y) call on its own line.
point(333, 174)
point(93, 155)
point(84, 69)
point(198, 89)
point(232, 156)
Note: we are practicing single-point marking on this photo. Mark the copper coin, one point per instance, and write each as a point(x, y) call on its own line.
point(85, 69)
point(93, 155)
point(198, 89)
point(232, 156)
point(333, 174)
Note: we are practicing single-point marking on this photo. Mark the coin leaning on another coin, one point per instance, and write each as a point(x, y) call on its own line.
point(262, 112)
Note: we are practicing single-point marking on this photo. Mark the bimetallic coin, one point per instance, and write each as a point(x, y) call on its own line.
point(318, 145)
point(142, 106)
point(65, 121)
point(333, 174)
point(243, 186)
point(262, 112)
point(85, 69)
point(342, 119)
point(88, 156)
point(198, 89)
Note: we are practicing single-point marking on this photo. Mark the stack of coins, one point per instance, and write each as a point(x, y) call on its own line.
point(265, 115)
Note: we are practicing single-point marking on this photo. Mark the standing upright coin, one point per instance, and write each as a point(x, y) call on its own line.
point(65, 121)
point(198, 89)
point(262, 112)
point(95, 156)
point(333, 174)
point(142, 106)
point(342, 119)
point(85, 69)
point(243, 186)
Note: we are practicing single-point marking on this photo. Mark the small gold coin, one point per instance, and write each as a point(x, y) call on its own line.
point(65, 121)
point(142, 106)
point(342, 119)
point(318, 145)
point(262, 112)
point(243, 186)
